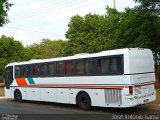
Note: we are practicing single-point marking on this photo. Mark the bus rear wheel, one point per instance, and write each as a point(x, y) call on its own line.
point(84, 101)
point(18, 96)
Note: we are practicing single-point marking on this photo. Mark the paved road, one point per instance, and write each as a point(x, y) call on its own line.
point(29, 110)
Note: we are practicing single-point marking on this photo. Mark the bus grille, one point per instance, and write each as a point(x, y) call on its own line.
point(113, 96)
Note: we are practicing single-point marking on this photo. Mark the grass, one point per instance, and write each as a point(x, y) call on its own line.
point(1, 91)
point(158, 92)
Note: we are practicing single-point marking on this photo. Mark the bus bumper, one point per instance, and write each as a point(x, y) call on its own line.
point(140, 99)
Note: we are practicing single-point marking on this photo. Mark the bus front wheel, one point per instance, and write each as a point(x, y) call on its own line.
point(18, 96)
point(84, 101)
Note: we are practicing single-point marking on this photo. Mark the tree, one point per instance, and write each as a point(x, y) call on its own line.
point(140, 26)
point(32, 52)
point(51, 49)
point(4, 7)
point(91, 33)
point(10, 51)
point(46, 49)
point(149, 4)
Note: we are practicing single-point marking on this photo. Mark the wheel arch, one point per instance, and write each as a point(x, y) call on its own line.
point(80, 92)
point(16, 90)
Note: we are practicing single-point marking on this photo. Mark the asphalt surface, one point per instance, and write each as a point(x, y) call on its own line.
point(31, 110)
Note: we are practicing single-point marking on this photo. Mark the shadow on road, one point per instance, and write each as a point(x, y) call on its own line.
point(35, 110)
point(132, 110)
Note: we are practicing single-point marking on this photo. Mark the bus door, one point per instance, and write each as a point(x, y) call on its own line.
point(8, 77)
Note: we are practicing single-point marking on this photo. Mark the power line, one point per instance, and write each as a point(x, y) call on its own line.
point(82, 6)
point(29, 17)
point(37, 9)
point(29, 30)
point(41, 31)
point(50, 8)
point(56, 12)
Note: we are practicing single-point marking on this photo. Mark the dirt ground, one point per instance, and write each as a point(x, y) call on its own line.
point(155, 104)
point(158, 97)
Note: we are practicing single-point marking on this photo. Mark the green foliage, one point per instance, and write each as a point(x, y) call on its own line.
point(13, 51)
point(4, 7)
point(46, 49)
point(32, 52)
point(137, 27)
point(91, 33)
point(3, 63)
point(148, 4)
point(51, 49)
point(140, 27)
point(10, 51)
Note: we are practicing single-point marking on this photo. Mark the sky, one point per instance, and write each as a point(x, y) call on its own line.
point(34, 20)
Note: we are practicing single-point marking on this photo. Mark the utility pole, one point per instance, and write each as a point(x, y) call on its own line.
point(114, 4)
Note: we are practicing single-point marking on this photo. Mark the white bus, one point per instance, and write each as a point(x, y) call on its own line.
point(115, 78)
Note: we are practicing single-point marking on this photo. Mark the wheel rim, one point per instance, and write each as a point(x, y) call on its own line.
point(84, 101)
point(18, 96)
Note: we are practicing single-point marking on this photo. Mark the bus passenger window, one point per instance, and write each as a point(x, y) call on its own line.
point(29, 70)
point(51, 69)
point(35, 69)
point(89, 65)
point(17, 71)
point(69, 68)
point(79, 67)
point(43, 69)
point(24, 71)
point(109, 65)
point(115, 66)
point(103, 65)
point(60, 68)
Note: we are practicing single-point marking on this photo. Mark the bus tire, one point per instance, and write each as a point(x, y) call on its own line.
point(84, 101)
point(17, 95)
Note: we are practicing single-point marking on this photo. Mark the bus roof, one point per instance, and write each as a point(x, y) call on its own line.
point(78, 56)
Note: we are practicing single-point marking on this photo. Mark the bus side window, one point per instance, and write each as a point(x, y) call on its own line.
point(17, 71)
point(109, 65)
point(103, 65)
point(69, 67)
point(79, 67)
point(51, 69)
point(23, 71)
point(89, 66)
point(60, 68)
point(29, 70)
point(43, 69)
point(35, 69)
point(115, 66)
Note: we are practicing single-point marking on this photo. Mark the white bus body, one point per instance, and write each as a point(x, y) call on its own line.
point(132, 85)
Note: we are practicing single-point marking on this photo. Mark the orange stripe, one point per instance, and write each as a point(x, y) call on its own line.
point(87, 86)
point(73, 86)
point(21, 81)
point(144, 85)
point(76, 86)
